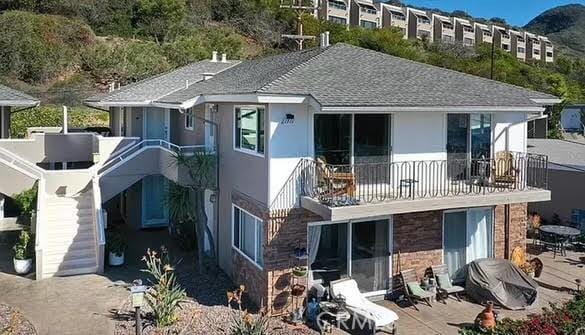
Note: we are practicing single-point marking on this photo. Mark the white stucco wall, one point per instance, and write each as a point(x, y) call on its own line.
point(288, 141)
point(509, 131)
point(419, 136)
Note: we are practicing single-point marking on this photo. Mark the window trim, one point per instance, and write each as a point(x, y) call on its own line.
point(257, 221)
point(189, 116)
point(244, 150)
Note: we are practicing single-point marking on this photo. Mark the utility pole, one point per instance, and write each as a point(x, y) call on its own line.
point(297, 6)
point(493, 55)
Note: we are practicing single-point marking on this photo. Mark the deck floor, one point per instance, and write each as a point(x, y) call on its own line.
point(556, 281)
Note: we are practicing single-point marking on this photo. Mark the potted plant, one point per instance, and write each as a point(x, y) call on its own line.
point(116, 245)
point(23, 253)
point(528, 268)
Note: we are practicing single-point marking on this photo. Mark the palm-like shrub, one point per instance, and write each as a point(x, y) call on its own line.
point(165, 295)
point(246, 324)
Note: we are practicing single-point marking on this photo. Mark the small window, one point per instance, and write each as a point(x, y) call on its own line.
point(338, 20)
point(521, 50)
point(189, 119)
point(368, 24)
point(249, 129)
point(248, 235)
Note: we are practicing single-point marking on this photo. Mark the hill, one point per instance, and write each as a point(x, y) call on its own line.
point(564, 25)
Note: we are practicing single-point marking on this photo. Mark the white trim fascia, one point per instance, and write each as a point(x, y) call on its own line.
point(455, 109)
point(106, 104)
point(547, 101)
point(19, 103)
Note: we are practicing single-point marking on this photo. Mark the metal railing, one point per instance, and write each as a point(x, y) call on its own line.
point(145, 144)
point(99, 224)
point(343, 185)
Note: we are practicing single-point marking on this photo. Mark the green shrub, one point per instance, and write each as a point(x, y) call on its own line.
point(53, 117)
point(39, 48)
point(26, 201)
point(116, 242)
point(166, 295)
point(246, 324)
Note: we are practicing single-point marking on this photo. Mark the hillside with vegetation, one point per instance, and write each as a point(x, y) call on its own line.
point(63, 51)
point(564, 25)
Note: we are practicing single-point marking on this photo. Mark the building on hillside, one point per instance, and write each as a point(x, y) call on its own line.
point(419, 25)
point(547, 49)
point(533, 47)
point(518, 45)
point(502, 38)
point(443, 29)
point(483, 33)
point(464, 32)
point(566, 176)
point(336, 11)
point(394, 16)
point(365, 14)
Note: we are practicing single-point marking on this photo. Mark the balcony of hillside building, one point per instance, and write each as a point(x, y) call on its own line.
point(394, 17)
point(336, 11)
point(378, 186)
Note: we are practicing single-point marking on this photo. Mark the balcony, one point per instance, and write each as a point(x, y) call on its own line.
point(350, 191)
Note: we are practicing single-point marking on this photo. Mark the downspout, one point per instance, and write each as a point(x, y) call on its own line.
point(507, 231)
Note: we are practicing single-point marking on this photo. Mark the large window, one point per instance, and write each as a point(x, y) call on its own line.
point(368, 24)
point(338, 20)
point(249, 129)
point(248, 234)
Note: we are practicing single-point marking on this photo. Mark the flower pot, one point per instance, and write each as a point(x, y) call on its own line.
point(115, 259)
point(487, 319)
point(22, 266)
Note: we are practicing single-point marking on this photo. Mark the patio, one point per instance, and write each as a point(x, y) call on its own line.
point(557, 278)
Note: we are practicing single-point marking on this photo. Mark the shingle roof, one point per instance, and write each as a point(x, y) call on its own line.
point(156, 87)
point(12, 97)
point(561, 154)
point(345, 75)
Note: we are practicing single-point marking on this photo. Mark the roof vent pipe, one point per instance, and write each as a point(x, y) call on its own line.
point(214, 56)
point(224, 58)
point(325, 39)
point(207, 76)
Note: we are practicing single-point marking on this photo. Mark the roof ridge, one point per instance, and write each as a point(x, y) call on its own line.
point(447, 69)
point(294, 69)
point(20, 94)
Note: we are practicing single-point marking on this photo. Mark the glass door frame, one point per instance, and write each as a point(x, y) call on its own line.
point(468, 152)
point(390, 222)
point(352, 134)
point(492, 248)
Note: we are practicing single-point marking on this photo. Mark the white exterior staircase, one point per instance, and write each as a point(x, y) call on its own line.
point(70, 236)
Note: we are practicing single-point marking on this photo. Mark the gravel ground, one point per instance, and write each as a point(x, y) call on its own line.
point(196, 319)
point(14, 323)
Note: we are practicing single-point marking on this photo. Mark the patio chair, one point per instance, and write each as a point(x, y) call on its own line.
point(444, 283)
point(504, 170)
point(550, 241)
point(379, 317)
point(412, 289)
point(337, 183)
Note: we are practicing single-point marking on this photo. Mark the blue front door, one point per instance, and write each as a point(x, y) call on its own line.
point(155, 213)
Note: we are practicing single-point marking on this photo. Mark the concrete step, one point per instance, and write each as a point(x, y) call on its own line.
point(70, 230)
point(70, 222)
point(68, 213)
point(54, 258)
point(59, 247)
point(68, 240)
point(71, 272)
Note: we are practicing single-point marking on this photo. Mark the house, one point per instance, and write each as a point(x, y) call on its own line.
point(11, 101)
point(364, 13)
point(419, 24)
point(336, 11)
point(547, 49)
point(483, 33)
point(518, 45)
point(566, 176)
point(501, 38)
point(443, 29)
point(464, 32)
point(533, 47)
point(343, 172)
point(394, 16)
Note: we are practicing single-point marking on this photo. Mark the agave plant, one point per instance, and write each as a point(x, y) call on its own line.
point(245, 324)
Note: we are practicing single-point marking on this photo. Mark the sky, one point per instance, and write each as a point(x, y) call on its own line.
point(516, 12)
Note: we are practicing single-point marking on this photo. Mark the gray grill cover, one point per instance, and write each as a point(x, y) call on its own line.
point(500, 281)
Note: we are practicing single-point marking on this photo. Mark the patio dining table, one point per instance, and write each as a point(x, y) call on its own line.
point(561, 230)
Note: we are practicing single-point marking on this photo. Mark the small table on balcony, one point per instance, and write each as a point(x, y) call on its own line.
point(407, 183)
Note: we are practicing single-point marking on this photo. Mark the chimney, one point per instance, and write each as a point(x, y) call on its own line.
point(224, 58)
point(214, 56)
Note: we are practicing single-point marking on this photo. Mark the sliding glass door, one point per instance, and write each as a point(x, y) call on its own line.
point(358, 250)
point(469, 138)
point(467, 236)
point(352, 138)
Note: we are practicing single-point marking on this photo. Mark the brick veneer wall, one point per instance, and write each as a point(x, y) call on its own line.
point(518, 221)
point(283, 232)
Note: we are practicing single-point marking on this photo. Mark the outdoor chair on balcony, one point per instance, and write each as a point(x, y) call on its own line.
point(336, 183)
point(504, 171)
point(444, 283)
point(412, 289)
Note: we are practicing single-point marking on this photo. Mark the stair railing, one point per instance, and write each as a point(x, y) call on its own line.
point(39, 226)
point(99, 219)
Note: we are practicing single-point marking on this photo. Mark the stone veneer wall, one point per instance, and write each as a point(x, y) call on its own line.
point(418, 237)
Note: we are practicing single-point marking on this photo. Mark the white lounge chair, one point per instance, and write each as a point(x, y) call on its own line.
point(379, 318)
